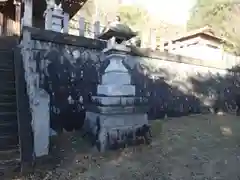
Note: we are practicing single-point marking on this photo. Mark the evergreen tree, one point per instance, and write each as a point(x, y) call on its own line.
point(222, 16)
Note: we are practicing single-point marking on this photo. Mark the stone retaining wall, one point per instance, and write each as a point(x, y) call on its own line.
point(63, 71)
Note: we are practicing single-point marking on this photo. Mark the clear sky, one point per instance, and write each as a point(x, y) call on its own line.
point(172, 11)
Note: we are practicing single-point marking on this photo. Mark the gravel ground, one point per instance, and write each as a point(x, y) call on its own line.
point(201, 147)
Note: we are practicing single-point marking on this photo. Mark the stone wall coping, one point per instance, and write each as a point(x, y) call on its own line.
point(66, 39)
point(166, 56)
point(61, 38)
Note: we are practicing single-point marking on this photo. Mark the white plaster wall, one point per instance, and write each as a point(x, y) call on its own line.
point(199, 51)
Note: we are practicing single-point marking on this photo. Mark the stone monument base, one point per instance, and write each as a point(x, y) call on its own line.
point(117, 131)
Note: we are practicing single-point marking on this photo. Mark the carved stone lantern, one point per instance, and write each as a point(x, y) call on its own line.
point(116, 115)
point(117, 31)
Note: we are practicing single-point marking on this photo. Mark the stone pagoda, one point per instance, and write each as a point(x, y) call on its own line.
point(116, 117)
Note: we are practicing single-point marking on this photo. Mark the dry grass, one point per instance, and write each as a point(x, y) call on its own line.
point(188, 148)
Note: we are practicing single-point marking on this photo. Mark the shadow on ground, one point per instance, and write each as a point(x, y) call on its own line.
point(200, 146)
point(191, 147)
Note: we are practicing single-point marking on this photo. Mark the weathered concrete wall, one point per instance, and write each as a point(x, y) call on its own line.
point(69, 74)
point(181, 87)
point(69, 69)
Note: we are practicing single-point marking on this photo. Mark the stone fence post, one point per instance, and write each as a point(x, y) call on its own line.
point(48, 19)
point(162, 45)
point(153, 39)
point(144, 40)
point(27, 15)
point(81, 26)
point(96, 28)
point(170, 46)
point(65, 22)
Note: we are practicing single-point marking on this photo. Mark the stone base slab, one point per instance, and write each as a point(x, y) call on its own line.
point(108, 101)
point(119, 78)
point(112, 110)
point(116, 90)
point(113, 127)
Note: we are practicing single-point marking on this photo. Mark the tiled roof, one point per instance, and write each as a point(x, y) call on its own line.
point(202, 31)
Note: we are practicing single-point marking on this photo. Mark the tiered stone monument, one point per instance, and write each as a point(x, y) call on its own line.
point(116, 117)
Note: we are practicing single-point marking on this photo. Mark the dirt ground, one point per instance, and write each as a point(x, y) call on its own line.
point(201, 147)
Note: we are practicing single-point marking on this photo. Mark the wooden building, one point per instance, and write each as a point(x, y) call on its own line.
point(200, 44)
point(12, 11)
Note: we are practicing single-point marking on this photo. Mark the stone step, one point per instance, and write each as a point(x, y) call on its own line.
point(8, 142)
point(9, 168)
point(12, 154)
point(7, 90)
point(8, 84)
point(6, 70)
point(6, 75)
point(6, 62)
point(8, 107)
point(116, 90)
point(7, 43)
point(9, 124)
point(123, 78)
point(8, 117)
point(7, 65)
point(7, 98)
point(9, 129)
point(6, 57)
